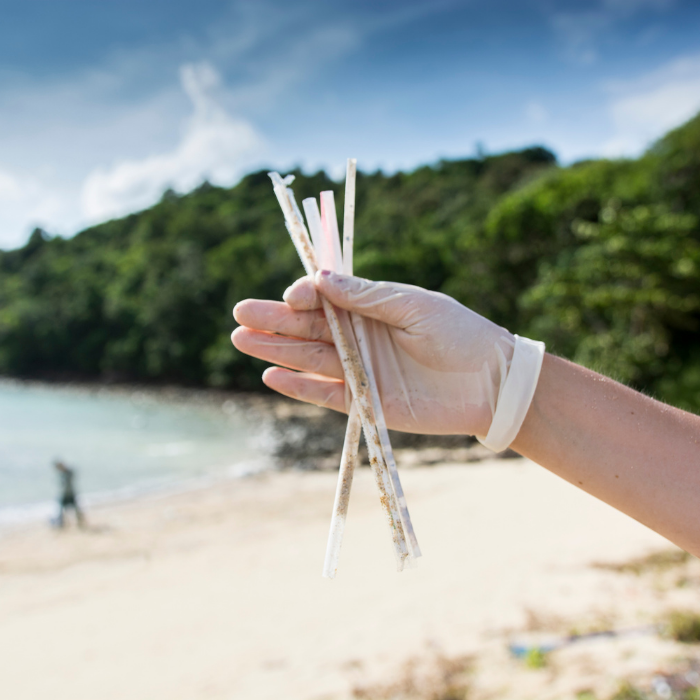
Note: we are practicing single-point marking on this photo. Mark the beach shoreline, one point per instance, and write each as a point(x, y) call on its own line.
point(283, 434)
point(217, 593)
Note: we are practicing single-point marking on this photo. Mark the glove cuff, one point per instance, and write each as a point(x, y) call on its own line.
point(516, 394)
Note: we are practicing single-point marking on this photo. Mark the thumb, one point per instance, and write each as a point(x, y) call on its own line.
point(390, 302)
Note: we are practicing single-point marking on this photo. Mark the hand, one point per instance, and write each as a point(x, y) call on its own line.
point(439, 365)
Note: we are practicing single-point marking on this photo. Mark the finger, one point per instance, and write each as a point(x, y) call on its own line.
point(310, 388)
point(305, 355)
point(302, 295)
point(393, 303)
point(277, 317)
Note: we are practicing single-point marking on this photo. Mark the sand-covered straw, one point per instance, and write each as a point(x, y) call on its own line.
point(330, 225)
point(348, 460)
point(352, 367)
point(363, 346)
point(328, 250)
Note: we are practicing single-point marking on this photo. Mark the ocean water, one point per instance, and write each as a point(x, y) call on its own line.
point(119, 442)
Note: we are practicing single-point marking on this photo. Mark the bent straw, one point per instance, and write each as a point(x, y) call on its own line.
point(348, 460)
point(352, 366)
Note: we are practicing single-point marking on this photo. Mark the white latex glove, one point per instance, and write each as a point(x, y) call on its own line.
point(440, 367)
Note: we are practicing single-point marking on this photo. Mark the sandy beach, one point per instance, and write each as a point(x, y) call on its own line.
point(217, 593)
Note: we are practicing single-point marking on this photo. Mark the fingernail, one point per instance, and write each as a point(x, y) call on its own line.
point(323, 275)
point(286, 294)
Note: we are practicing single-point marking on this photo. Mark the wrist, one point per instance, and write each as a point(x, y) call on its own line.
point(518, 380)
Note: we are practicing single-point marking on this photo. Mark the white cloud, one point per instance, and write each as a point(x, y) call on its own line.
point(643, 110)
point(215, 146)
point(26, 202)
point(109, 137)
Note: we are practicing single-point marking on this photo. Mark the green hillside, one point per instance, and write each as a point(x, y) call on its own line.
point(599, 259)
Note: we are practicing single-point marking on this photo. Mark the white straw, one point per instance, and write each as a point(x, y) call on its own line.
point(363, 346)
point(349, 216)
point(326, 252)
point(329, 217)
point(352, 368)
point(348, 461)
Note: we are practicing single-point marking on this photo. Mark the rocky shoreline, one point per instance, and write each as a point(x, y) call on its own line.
point(310, 438)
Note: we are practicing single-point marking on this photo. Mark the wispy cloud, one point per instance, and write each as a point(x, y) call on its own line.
point(394, 83)
point(215, 146)
point(26, 200)
point(642, 110)
point(111, 137)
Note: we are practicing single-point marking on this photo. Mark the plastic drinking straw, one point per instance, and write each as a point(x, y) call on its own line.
point(363, 347)
point(330, 253)
point(348, 460)
point(352, 366)
point(330, 221)
point(325, 255)
point(349, 216)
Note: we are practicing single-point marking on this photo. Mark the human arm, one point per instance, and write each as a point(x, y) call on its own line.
point(637, 454)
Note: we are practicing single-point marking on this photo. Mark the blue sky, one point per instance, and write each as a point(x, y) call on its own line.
point(105, 104)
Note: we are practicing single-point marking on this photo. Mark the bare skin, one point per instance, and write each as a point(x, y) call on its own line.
point(637, 454)
point(630, 451)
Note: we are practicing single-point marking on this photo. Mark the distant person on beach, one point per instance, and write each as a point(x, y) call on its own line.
point(67, 497)
point(443, 369)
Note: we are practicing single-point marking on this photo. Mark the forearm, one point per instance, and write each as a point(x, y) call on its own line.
point(633, 452)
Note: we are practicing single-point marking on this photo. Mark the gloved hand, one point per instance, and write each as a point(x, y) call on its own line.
point(440, 367)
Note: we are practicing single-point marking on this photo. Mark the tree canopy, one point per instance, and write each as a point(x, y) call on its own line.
point(599, 259)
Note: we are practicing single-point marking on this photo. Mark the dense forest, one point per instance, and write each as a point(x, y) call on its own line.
point(600, 259)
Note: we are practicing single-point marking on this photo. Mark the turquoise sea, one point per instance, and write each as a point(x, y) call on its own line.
point(120, 442)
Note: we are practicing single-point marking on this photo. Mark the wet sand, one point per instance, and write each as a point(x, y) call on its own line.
point(217, 593)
